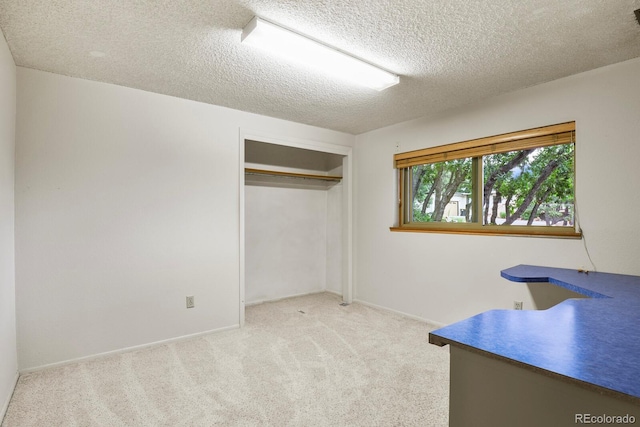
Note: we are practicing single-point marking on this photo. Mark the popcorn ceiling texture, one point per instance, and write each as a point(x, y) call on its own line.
point(448, 53)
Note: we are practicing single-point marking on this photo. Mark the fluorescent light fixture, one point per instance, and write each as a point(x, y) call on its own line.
point(299, 48)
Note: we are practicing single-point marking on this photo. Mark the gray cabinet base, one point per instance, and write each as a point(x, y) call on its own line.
point(486, 391)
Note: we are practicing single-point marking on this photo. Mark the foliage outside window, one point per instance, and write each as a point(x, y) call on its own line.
point(521, 183)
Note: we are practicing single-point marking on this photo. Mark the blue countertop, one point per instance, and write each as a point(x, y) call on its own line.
point(594, 342)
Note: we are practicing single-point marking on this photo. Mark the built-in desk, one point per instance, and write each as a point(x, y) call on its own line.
point(547, 367)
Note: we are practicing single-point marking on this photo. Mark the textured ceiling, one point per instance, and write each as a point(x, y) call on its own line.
point(447, 52)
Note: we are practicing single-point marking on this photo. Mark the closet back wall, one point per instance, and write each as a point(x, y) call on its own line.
point(286, 235)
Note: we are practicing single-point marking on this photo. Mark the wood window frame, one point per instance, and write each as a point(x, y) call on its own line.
point(562, 133)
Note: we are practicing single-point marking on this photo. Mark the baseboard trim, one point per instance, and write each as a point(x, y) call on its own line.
point(5, 406)
point(249, 304)
point(334, 292)
point(401, 313)
point(199, 334)
point(127, 349)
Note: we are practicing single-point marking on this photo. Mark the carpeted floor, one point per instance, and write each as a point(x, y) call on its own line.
point(304, 361)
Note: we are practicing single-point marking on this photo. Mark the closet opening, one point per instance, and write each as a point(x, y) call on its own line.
point(295, 203)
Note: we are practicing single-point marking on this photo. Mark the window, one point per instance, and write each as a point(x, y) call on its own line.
point(520, 183)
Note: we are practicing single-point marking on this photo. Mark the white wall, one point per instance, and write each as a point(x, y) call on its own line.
point(8, 355)
point(126, 202)
point(449, 277)
point(335, 229)
point(286, 240)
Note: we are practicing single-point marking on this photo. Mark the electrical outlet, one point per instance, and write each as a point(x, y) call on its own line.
point(517, 305)
point(190, 302)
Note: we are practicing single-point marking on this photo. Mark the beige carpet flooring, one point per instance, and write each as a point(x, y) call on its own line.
point(304, 361)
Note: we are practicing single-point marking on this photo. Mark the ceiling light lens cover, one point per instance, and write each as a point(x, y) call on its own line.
point(296, 47)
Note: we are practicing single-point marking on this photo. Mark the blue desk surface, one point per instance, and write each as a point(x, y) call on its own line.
point(594, 341)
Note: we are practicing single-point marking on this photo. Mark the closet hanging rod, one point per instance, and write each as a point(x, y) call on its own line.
point(251, 171)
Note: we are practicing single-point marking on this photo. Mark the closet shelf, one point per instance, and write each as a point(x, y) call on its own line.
point(330, 178)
